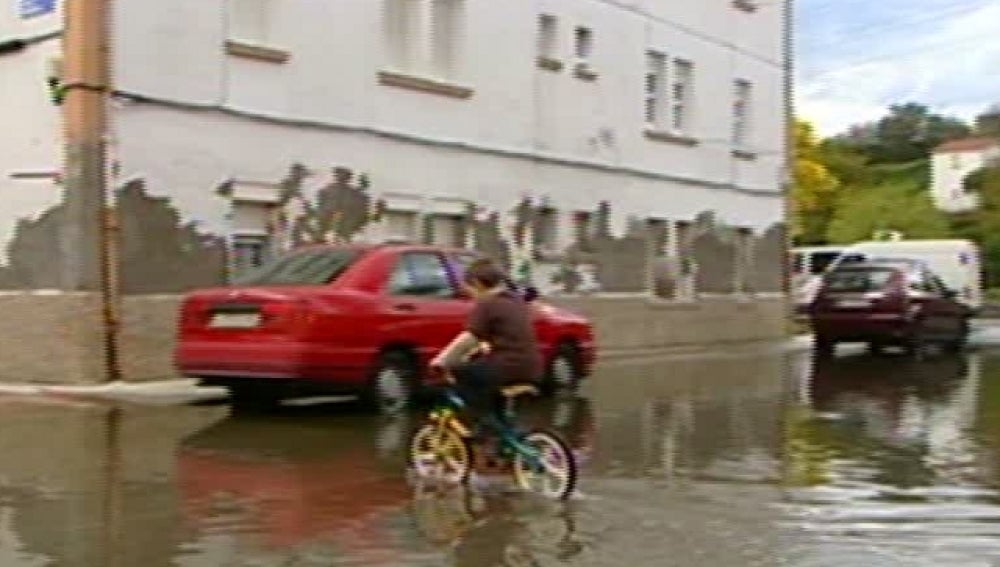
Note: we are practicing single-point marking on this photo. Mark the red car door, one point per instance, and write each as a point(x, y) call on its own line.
point(423, 305)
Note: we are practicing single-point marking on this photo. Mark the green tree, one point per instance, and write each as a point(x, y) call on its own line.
point(814, 194)
point(849, 164)
point(908, 132)
point(988, 123)
point(903, 206)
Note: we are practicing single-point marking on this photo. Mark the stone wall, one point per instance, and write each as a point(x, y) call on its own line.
point(624, 325)
point(51, 337)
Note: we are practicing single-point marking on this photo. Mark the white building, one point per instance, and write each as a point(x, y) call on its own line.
point(668, 118)
point(951, 163)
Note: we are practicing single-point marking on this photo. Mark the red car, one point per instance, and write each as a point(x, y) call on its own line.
point(887, 302)
point(355, 319)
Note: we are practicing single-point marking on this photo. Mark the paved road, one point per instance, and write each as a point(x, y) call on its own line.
point(758, 459)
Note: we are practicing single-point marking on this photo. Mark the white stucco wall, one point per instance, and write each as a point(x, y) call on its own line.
point(174, 51)
point(949, 170)
point(31, 135)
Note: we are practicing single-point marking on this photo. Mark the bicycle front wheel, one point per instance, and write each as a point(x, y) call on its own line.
point(545, 465)
point(439, 452)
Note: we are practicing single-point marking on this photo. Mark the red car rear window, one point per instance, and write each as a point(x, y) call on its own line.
point(857, 280)
point(307, 267)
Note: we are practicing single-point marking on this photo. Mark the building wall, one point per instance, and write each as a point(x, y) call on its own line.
point(222, 134)
point(30, 140)
point(515, 130)
point(949, 170)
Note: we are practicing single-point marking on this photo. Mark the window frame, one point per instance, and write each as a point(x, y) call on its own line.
point(682, 73)
point(743, 92)
point(401, 261)
point(655, 89)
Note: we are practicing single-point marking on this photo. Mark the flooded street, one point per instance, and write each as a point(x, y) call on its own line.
point(750, 459)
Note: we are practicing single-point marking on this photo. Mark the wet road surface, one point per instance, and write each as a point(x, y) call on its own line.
point(758, 459)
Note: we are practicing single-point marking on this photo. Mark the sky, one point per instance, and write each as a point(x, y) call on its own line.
point(856, 57)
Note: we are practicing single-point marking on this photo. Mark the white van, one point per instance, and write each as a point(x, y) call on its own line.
point(956, 262)
point(808, 265)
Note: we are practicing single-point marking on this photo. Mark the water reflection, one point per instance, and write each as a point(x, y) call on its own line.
point(306, 481)
point(480, 528)
point(887, 454)
point(763, 459)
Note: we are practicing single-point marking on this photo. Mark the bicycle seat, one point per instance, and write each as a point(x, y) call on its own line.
point(517, 390)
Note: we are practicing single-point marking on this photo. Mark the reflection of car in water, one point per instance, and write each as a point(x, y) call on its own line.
point(305, 478)
point(891, 399)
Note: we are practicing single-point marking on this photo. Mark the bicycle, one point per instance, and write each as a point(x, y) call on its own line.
point(443, 448)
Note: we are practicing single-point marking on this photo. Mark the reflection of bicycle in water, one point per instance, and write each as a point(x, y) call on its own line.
point(492, 529)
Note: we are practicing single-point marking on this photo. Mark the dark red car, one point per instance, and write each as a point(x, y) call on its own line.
point(887, 303)
point(359, 319)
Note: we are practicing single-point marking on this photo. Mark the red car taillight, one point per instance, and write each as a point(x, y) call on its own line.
point(192, 315)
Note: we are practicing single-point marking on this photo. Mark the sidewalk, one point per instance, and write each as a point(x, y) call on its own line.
point(185, 391)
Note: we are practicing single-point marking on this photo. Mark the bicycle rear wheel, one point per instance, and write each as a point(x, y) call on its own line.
point(441, 453)
point(548, 467)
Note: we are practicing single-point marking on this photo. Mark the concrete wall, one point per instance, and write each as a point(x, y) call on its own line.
point(624, 326)
point(50, 337)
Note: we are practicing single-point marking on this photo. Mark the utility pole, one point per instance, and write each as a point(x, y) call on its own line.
point(87, 229)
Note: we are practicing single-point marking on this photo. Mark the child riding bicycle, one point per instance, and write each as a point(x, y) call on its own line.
point(497, 348)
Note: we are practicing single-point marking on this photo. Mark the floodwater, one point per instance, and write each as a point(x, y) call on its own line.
point(747, 459)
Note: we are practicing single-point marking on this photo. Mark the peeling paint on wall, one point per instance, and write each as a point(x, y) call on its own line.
point(160, 252)
point(163, 253)
point(34, 252)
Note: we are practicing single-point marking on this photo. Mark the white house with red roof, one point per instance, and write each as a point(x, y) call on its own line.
point(951, 163)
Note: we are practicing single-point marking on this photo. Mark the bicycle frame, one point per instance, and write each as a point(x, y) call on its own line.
point(445, 417)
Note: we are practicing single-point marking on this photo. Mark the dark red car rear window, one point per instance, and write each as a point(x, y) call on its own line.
point(857, 279)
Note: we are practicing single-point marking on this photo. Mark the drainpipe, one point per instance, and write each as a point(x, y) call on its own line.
point(88, 233)
point(788, 48)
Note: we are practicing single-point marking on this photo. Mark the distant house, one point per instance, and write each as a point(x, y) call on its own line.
point(951, 163)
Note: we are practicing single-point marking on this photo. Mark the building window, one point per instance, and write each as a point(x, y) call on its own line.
point(249, 251)
point(548, 39)
point(584, 50)
point(445, 30)
point(656, 70)
point(400, 225)
point(249, 21)
point(445, 230)
point(424, 36)
point(681, 95)
point(548, 34)
point(584, 43)
point(402, 32)
point(742, 104)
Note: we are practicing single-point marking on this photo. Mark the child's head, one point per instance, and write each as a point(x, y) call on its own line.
point(483, 276)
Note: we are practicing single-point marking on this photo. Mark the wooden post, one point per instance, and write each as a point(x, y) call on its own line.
point(88, 234)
